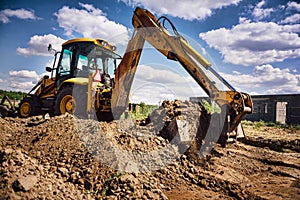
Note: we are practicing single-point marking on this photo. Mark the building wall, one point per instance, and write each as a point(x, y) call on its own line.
point(272, 108)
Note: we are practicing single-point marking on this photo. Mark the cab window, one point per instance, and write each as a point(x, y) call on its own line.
point(82, 61)
point(65, 65)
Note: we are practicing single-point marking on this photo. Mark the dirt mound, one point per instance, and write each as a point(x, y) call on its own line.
point(281, 139)
point(183, 124)
point(68, 158)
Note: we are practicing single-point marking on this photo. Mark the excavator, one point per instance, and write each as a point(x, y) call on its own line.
point(85, 77)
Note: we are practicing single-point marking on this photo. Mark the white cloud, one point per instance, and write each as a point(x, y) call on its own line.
point(294, 5)
point(188, 9)
point(260, 13)
point(21, 86)
point(23, 74)
point(153, 85)
point(19, 13)
point(20, 80)
point(291, 19)
point(236, 72)
point(266, 79)
point(91, 22)
point(37, 45)
point(255, 43)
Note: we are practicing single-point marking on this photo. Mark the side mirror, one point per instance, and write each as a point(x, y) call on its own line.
point(48, 69)
point(50, 47)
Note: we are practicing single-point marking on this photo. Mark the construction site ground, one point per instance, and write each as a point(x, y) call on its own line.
point(46, 159)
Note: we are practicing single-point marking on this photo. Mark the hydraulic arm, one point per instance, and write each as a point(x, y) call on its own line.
point(175, 47)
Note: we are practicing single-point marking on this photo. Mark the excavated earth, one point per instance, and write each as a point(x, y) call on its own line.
point(68, 158)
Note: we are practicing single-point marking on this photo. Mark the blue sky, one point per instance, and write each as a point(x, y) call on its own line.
point(253, 44)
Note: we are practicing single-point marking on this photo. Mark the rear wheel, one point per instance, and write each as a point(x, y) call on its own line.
point(29, 106)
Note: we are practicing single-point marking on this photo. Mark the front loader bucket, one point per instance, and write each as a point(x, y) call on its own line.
point(7, 111)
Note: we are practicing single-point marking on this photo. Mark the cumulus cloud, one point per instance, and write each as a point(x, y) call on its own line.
point(21, 86)
point(255, 43)
point(291, 19)
point(21, 80)
point(153, 85)
point(23, 74)
point(266, 79)
point(6, 14)
point(293, 6)
point(290, 16)
point(38, 44)
point(259, 12)
point(188, 9)
point(91, 22)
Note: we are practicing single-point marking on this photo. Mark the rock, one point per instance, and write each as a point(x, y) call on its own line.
point(296, 183)
point(8, 151)
point(88, 185)
point(151, 195)
point(25, 183)
point(63, 171)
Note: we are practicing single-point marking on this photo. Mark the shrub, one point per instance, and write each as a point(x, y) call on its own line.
point(12, 94)
point(143, 112)
point(259, 124)
point(210, 107)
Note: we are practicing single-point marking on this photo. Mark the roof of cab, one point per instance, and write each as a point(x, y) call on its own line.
point(98, 42)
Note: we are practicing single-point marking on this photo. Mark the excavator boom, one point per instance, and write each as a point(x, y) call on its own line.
point(175, 47)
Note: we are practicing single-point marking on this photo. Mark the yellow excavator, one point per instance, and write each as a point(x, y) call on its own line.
point(86, 78)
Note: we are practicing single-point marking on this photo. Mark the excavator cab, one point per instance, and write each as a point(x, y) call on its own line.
point(81, 57)
point(81, 61)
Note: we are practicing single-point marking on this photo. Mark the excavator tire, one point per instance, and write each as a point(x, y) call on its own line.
point(29, 106)
point(66, 102)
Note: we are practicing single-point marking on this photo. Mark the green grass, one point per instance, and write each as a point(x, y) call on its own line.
point(107, 183)
point(258, 125)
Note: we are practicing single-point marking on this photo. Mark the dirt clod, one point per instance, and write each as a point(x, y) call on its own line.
point(68, 158)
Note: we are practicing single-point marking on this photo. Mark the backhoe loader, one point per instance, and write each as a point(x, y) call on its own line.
point(85, 77)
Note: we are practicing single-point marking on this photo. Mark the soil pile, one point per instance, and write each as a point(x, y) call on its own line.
point(68, 158)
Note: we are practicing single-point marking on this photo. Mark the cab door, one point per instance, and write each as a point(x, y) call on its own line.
point(66, 66)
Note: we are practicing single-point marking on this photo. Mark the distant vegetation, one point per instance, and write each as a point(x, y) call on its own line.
point(260, 124)
point(141, 111)
point(12, 94)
